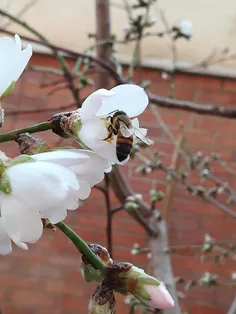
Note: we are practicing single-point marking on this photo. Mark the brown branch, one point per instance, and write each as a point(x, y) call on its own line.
point(212, 110)
point(123, 190)
point(169, 188)
point(191, 188)
point(40, 110)
point(102, 34)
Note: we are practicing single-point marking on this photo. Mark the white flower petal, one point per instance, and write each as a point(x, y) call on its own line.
point(93, 170)
point(42, 185)
point(130, 98)
point(84, 190)
point(13, 61)
point(90, 106)
point(18, 42)
point(58, 216)
point(5, 240)
point(21, 223)
point(63, 157)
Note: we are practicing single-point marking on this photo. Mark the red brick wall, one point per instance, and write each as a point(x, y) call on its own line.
point(46, 279)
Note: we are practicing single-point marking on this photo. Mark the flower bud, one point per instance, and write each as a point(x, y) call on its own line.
point(29, 144)
point(88, 272)
point(151, 21)
point(102, 301)
point(145, 288)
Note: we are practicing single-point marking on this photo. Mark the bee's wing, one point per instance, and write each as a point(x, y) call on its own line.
point(126, 132)
point(141, 134)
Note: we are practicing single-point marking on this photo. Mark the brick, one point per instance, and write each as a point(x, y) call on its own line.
point(225, 295)
point(215, 97)
point(63, 260)
point(197, 205)
point(198, 82)
point(11, 309)
point(63, 287)
point(229, 85)
point(186, 221)
point(74, 303)
point(222, 225)
point(202, 293)
point(201, 308)
point(31, 298)
point(214, 124)
point(17, 282)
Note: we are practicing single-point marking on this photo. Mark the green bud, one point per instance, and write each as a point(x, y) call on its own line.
point(156, 196)
point(131, 206)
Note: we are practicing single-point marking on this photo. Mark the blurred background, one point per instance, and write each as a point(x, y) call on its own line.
point(200, 69)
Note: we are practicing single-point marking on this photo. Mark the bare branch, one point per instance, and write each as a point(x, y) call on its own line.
point(211, 110)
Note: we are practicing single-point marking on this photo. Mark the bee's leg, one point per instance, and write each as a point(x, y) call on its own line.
point(110, 118)
point(110, 130)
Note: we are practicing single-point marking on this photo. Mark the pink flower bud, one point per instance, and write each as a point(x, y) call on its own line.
point(145, 288)
point(160, 297)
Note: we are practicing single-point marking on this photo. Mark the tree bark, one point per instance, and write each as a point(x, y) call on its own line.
point(232, 309)
point(103, 33)
point(161, 266)
point(161, 260)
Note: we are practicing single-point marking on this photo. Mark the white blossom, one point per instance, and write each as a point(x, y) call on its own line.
point(164, 76)
point(185, 28)
point(13, 61)
point(90, 123)
point(152, 21)
point(44, 185)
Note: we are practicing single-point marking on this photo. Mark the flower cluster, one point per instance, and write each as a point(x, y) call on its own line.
point(38, 187)
point(45, 185)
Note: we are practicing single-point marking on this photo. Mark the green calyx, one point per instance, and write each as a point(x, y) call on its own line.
point(5, 183)
point(20, 160)
point(76, 126)
point(90, 274)
point(142, 294)
point(8, 90)
point(149, 280)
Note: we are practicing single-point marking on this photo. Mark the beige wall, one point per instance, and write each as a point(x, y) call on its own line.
point(67, 22)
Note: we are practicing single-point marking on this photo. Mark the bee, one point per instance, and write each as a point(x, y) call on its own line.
point(121, 125)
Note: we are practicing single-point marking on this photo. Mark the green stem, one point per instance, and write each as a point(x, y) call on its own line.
point(82, 246)
point(12, 135)
point(133, 307)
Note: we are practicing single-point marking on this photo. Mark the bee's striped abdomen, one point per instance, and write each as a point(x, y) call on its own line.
point(123, 146)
